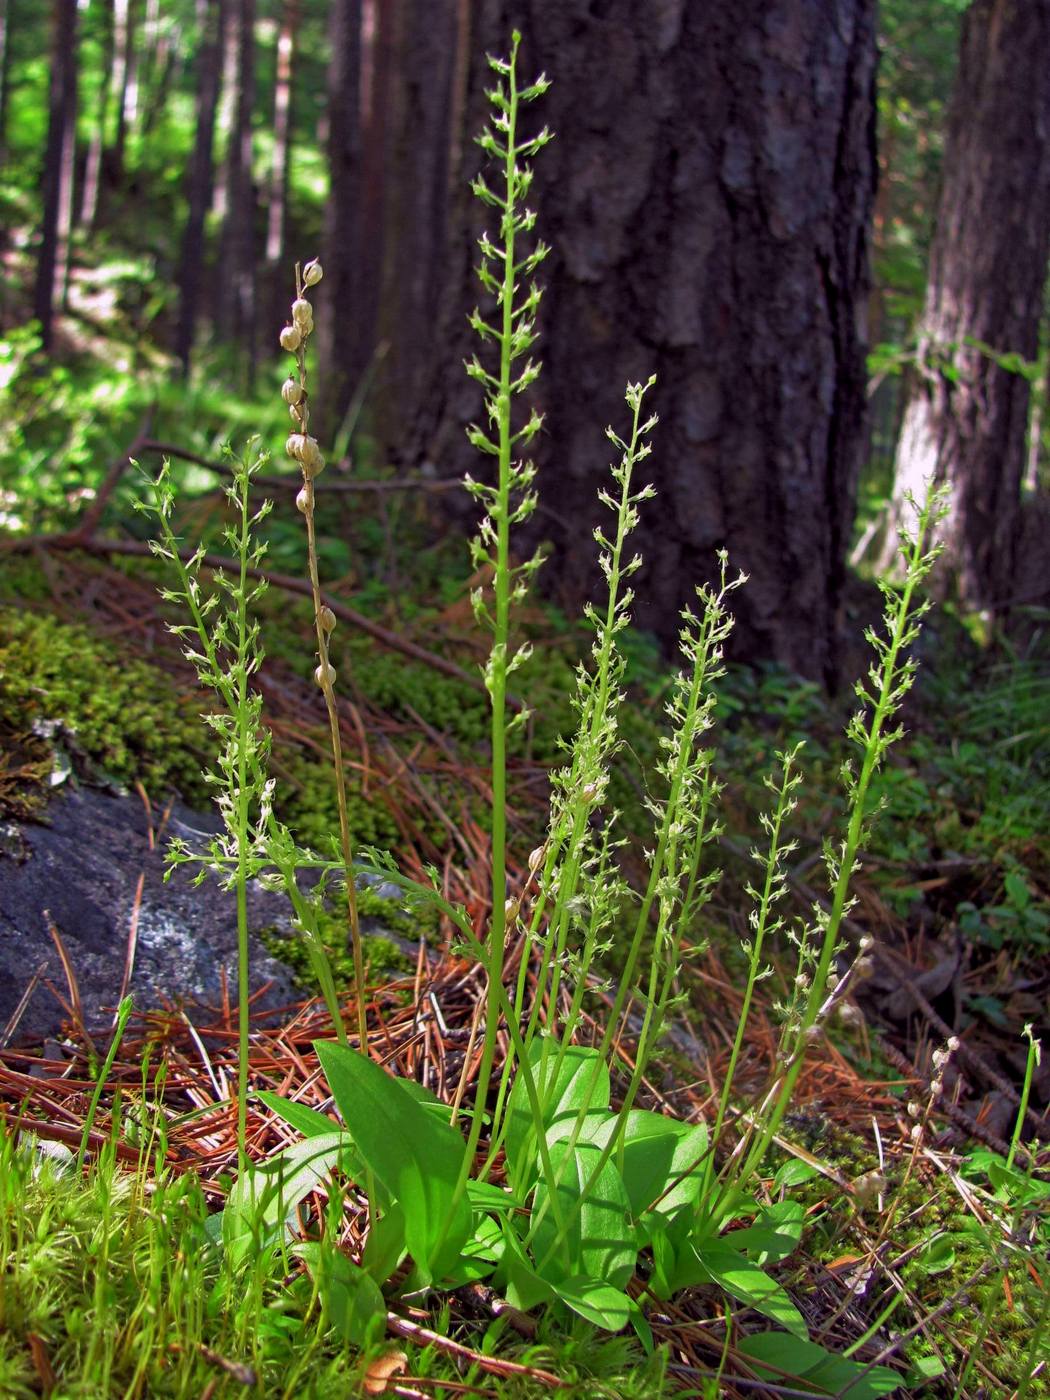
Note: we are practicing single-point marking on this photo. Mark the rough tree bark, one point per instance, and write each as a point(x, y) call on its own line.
point(5, 72)
point(125, 81)
point(338, 335)
point(277, 194)
point(211, 28)
point(415, 204)
point(59, 161)
point(708, 197)
point(236, 293)
point(967, 416)
point(89, 195)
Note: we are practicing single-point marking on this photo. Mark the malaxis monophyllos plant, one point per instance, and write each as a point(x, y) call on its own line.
point(585, 1187)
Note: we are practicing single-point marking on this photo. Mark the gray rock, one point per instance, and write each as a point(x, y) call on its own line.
point(80, 868)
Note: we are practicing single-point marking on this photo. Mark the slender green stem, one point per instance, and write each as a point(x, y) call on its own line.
point(497, 671)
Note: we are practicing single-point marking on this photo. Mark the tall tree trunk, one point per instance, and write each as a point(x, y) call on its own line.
point(277, 211)
point(708, 197)
point(211, 28)
point(237, 254)
point(966, 420)
point(338, 326)
point(415, 202)
point(125, 80)
point(5, 72)
point(89, 198)
point(59, 161)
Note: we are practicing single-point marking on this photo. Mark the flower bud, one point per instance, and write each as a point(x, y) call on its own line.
point(301, 312)
point(304, 499)
point(291, 391)
point(327, 617)
point(291, 338)
point(325, 674)
point(294, 445)
point(312, 273)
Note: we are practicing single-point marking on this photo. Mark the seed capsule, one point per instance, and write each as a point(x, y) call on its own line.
point(327, 617)
point(309, 456)
point(291, 338)
point(301, 312)
point(303, 499)
point(294, 445)
point(291, 391)
point(325, 675)
point(312, 273)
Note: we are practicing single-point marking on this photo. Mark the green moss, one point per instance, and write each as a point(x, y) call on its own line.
point(306, 800)
point(125, 715)
point(383, 958)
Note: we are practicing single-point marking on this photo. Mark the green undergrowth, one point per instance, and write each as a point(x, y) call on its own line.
point(112, 1283)
point(937, 1251)
point(379, 915)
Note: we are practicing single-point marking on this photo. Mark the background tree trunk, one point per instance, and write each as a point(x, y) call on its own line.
point(5, 72)
point(415, 203)
point(236, 299)
point(967, 416)
point(708, 197)
point(277, 278)
point(211, 27)
point(125, 81)
point(59, 161)
point(339, 336)
point(89, 198)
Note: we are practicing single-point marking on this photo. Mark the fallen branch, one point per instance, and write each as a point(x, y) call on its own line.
point(292, 480)
point(92, 544)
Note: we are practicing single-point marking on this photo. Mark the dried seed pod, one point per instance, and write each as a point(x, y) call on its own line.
point(312, 273)
point(309, 457)
point(294, 445)
point(327, 617)
point(325, 674)
point(301, 312)
point(291, 338)
point(291, 391)
point(304, 499)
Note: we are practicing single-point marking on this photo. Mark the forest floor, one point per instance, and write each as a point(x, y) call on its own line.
point(903, 1213)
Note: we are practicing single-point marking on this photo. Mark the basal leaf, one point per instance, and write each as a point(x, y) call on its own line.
point(597, 1301)
point(580, 1082)
point(600, 1240)
point(350, 1295)
point(720, 1263)
point(263, 1199)
point(777, 1355)
point(414, 1155)
point(774, 1235)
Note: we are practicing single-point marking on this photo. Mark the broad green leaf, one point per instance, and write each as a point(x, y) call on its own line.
point(660, 1156)
point(300, 1116)
point(515, 1274)
point(351, 1297)
point(581, 1083)
point(263, 1199)
point(483, 1195)
point(600, 1239)
point(599, 1302)
point(794, 1173)
point(721, 1264)
point(480, 1254)
point(385, 1246)
point(776, 1355)
point(773, 1236)
point(413, 1155)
